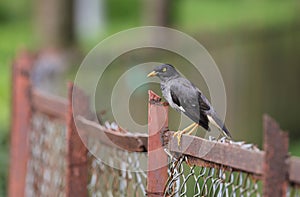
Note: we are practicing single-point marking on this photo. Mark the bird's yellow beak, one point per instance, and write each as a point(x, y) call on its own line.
point(152, 74)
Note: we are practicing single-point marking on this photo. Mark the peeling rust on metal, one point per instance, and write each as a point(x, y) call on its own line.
point(136, 142)
point(76, 159)
point(21, 116)
point(221, 153)
point(25, 73)
point(275, 168)
point(157, 158)
point(53, 106)
point(294, 170)
point(165, 136)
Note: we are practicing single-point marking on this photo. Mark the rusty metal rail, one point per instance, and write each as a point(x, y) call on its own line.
point(219, 153)
point(293, 171)
point(136, 142)
point(230, 155)
point(21, 117)
point(49, 104)
point(157, 158)
point(77, 160)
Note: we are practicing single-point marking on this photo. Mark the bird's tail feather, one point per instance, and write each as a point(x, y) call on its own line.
point(226, 132)
point(220, 125)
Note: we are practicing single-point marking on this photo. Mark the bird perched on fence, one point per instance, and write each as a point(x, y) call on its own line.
point(185, 97)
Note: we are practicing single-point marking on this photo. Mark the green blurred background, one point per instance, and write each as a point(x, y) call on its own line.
point(255, 43)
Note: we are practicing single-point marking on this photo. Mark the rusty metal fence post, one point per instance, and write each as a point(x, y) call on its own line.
point(157, 158)
point(77, 162)
point(21, 116)
point(275, 168)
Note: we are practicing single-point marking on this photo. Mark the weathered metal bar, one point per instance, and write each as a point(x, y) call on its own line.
point(275, 176)
point(157, 158)
point(294, 170)
point(219, 153)
point(48, 104)
point(132, 142)
point(21, 119)
point(77, 169)
point(234, 157)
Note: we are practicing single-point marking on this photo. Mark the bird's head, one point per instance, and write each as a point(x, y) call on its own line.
point(164, 72)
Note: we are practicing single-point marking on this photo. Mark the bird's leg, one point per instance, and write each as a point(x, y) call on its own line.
point(193, 129)
point(184, 130)
point(178, 134)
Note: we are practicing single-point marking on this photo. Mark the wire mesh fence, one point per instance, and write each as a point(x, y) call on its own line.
point(46, 165)
point(186, 180)
point(191, 176)
point(122, 173)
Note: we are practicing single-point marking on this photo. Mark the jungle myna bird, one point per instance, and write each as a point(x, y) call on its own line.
point(185, 97)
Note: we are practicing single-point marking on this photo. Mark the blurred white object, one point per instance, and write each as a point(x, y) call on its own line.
point(89, 18)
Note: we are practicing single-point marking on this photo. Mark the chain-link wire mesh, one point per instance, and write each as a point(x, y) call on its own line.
point(185, 180)
point(122, 174)
point(46, 165)
point(208, 179)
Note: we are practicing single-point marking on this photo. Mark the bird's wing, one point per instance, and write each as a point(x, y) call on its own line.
point(212, 115)
point(175, 98)
point(204, 105)
point(188, 99)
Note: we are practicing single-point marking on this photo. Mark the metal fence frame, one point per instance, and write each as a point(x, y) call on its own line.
point(273, 165)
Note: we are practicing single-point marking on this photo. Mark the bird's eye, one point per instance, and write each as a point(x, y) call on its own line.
point(164, 69)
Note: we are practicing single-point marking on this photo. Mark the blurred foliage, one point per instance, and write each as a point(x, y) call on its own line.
point(219, 15)
point(15, 32)
point(12, 11)
point(294, 147)
point(116, 10)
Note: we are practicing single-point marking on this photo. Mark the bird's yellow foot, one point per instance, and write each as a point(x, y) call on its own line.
point(189, 129)
point(178, 134)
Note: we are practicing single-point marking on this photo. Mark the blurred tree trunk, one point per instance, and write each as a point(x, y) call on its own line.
point(54, 23)
point(158, 12)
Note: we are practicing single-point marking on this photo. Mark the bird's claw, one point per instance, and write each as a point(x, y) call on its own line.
point(178, 134)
